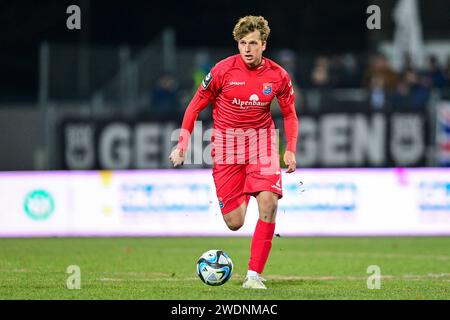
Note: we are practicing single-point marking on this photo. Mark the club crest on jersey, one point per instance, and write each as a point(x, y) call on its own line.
point(207, 80)
point(267, 88)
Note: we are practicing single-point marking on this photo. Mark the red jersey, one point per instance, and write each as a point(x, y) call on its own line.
point(241, 98)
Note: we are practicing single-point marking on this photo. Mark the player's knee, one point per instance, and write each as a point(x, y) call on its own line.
point(269, 206)
point(234, 225)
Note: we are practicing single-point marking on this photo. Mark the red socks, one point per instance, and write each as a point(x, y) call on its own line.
point(261, 245)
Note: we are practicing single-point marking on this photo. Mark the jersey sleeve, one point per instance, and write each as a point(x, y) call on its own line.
point(211, 84)
point(205, 94)
point(286, 94)
point(286, 100)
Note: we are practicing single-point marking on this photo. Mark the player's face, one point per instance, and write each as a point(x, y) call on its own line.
point(251, 48)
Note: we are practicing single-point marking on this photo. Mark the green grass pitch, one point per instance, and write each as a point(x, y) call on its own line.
point(164, 268)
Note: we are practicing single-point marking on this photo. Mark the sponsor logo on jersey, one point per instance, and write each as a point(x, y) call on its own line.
point(292, 88)
point(267, 88)
point(221, 205)
point(237, 83)
point(252, 101)
point(207, 80)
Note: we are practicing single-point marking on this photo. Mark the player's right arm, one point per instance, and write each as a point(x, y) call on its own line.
point(204, 95)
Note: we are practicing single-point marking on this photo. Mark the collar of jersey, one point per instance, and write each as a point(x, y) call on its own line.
point(258, 68)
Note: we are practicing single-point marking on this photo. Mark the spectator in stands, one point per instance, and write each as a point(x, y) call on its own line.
point(164, 100)
point(407, 63)
point(413, 91)
point(288, 61)
point(320, 74)
point(434, 72)
point(377, 93)
point(379, 67)
point(447, 71)
point(420, 90)
point(344, 71)
point(400, 99)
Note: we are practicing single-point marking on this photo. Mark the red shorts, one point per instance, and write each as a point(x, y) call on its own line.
point(235, 183)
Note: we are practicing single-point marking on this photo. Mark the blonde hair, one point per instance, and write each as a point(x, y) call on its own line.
point(249, 24)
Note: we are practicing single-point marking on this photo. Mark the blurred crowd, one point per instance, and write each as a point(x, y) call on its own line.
point(410, 87)
point(387, 88)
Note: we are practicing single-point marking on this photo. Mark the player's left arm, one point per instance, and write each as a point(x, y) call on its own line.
point(286, 100)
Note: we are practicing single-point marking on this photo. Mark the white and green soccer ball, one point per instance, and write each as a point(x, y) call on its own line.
point(214, 267)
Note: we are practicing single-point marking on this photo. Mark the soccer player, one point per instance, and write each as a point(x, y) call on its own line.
point(241, 88)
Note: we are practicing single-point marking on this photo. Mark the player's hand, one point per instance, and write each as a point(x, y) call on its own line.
point(289, 160)
point(177, 157)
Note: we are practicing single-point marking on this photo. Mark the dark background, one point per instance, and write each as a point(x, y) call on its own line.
point(306, 26)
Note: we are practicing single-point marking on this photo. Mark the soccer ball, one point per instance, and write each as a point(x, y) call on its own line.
point(214, 267)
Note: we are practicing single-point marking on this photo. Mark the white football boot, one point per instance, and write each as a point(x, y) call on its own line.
point(254, 282)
